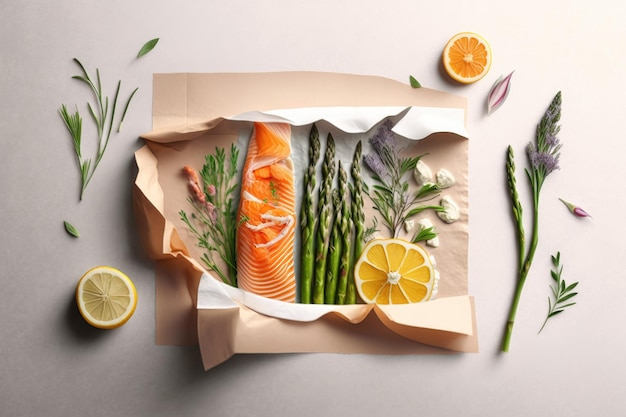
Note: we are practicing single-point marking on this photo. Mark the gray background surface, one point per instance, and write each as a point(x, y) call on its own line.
point(54, 364)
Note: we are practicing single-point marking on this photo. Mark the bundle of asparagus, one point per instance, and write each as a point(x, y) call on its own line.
point(332, 231)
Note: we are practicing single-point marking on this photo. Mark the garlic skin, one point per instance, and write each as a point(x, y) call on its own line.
point(422, 173)
point(498, 93)
point(435, 289)
point(450, 212)
point(445, 179)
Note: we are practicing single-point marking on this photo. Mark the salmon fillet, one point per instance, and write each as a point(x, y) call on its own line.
point(267, 211)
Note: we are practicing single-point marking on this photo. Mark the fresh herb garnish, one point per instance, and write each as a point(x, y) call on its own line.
point(425, 234)
point(214, 220)
point(70, 229)
point(147, 47)
point(103, 115)
point(391, 194)
point(562, 292)
point(414, 82)
point(544, 159)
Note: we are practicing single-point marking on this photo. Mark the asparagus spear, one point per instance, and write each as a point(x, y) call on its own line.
point(335, 243)
point(346, 248)
point(358, 217)
point(324, 218)
point(308, 219)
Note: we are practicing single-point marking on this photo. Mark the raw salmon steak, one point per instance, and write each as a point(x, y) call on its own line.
point(267, 213)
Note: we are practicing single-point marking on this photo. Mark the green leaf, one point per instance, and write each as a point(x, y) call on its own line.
point(414, 82)
point(425, 234)
point(567, 297)
point(147, 47)
point(119, 127)
point(70, 229)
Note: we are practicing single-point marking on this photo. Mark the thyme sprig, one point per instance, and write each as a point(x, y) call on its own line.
point(391, 193)
point(562, 292)
point(102, 113)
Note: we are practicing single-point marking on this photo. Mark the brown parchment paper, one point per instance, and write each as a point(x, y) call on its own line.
point(188, 112)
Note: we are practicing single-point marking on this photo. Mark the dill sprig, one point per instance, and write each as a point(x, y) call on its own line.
point(391, 193)
point(103, 115)
point(562, 292)
point(543, 156)
point(214, 219)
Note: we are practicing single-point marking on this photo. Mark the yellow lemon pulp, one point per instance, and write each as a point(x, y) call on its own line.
point(395, 271)
point(467, 57)
point(106, 297)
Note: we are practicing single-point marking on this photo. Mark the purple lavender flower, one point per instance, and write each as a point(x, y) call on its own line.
point(384, 140)
point(375, 163)
point(545, 162)
point(544, 154)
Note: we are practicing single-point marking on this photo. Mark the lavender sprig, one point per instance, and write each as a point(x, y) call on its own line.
point(391, 195)
point(543, 157)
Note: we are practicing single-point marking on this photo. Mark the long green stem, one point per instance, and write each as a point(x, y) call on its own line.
point(524, 269)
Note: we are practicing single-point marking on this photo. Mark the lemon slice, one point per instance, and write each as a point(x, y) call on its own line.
point(106, 297)
point(467, 57)
point(395, 271)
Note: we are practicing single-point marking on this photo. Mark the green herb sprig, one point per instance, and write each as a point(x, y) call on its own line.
point(214, 219)
point(391, 193)
point(103, 115)
point(562, 292)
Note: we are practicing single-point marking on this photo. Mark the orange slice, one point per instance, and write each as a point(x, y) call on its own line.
point(106, 297)
point(467, 57)
point(395, 271)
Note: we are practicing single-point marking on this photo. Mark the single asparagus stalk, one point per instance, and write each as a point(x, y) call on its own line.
point(307, 222)
point(322, 234)
point(335, 243)
point(358, 219)
point(346, 246)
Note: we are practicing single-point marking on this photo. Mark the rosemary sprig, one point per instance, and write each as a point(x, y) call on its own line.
point(562, 292)
point(103, 115)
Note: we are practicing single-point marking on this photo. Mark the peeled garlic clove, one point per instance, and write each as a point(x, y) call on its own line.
point(450, 212)
point(422, 173)
point(445, 178)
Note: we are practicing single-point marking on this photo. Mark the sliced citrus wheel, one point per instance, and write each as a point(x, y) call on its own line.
point(395, 271)
point(467, 57)
point(106, 297)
